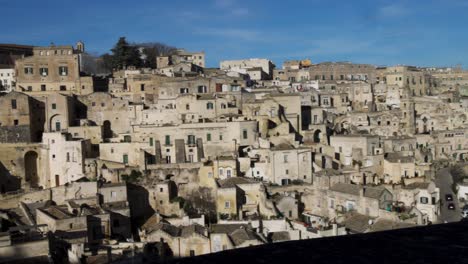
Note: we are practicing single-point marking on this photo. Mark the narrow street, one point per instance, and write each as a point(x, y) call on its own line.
point(444, 182)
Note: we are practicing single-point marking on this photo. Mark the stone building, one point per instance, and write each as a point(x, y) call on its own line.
point(246, 66)
point(21, 119)
point(52, 69)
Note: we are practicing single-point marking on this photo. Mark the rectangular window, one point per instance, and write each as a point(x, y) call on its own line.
point(15, 122)
point(424, 200)
point(244, 134)
point(43, 87)
point(151, 142)
point(63, 70)
point(142, 87)
point(13, 104)
point(68, 156)
point(54, 106)
point(167, 140)
point(228, 173)
point(28, 70)
point(191, 139)
point(227, 204)
point(63, 87)
point(202, 89)
point(208, 137)
point(125, 158)
point(285, 158)
point(221, 172)
point(220, 137)
point(43, 71)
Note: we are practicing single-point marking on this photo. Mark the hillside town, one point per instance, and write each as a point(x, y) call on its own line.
point(173, 159)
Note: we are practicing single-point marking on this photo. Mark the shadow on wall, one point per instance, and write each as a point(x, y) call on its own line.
point(141, 210)
point(8, 183)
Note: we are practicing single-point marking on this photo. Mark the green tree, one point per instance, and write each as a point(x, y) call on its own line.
point(154, 49)
point(124, 55)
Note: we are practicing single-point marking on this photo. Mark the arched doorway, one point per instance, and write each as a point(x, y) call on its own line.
point(55, 123)
point(107, 129)
point(31, 160)
point(317, 135)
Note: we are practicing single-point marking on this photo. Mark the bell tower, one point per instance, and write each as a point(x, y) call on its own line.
point(80, 46)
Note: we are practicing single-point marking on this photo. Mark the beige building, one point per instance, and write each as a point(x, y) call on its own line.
point(52, 69)
point(181, 56)
point(22, 118)
point(404, 76)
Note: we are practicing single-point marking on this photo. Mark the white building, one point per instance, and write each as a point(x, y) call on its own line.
point(63, 158)
point(7, 80)
point(243, 66)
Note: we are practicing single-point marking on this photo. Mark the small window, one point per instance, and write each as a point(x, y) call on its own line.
point(424, 200)
point(227, 204)
point(63, 87)
point(28, 70)
point(54, 106)
point(15, 122)
point(63, 70)
point(44, 71)
point(244, 134)
point(13, 104)
point(208, 137)
point(43, 87)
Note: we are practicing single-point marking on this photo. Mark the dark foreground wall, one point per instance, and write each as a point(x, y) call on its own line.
point(446, 243)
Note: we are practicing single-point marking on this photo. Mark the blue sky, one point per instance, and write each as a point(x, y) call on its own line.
point(417, 32)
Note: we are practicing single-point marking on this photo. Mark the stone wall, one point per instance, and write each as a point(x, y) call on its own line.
point(24, 250)
point(21, 133)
